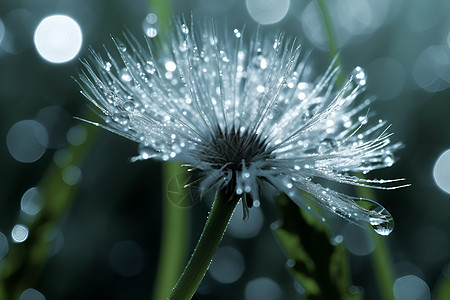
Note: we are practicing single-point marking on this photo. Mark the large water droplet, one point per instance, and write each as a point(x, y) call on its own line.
point(124, 75)
point(379, 218)
point(389, 160)
point(359, 76)
point(384, 228)
point(121, 118)
point(129, 106)
point(326, 145)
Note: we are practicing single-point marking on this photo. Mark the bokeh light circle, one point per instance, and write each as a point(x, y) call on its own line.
point(31, 294)
point(268, 11)
point(263, 288)
point(228, 265)
point(243, 228)
point(411, 287)
point(19, 233)
point(441, 171)
point(27, 141)
point(31, 202)
point(58, 38)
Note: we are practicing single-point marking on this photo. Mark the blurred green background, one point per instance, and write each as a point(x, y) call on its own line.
point(104, 224)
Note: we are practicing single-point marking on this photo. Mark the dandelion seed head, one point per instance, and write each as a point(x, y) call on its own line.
point(244, 114)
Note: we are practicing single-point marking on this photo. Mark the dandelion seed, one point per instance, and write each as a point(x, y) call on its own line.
point(242, 123)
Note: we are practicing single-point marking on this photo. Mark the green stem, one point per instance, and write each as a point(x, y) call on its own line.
point(163, 9)
point(382, 266)
point(210, 238)
point(332, 43)
point(174, 234)
point(380, 256)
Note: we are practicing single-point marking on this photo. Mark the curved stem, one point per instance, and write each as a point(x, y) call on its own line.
point(174, 235)
point(210, 238)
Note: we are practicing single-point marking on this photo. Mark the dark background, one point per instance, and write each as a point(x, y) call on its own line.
point(107, 243)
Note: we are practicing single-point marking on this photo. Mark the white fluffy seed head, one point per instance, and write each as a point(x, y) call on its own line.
point(243, 113)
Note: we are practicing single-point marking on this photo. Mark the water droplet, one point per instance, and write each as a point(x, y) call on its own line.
point(389, 160)
point(121, 118)
point(129, 106)
point(184, 29)
point(359, 76)
point(326, 145)
point(122, 47)
point(379, 218)
point(149, 67)
point(150, 30)
point(237, 33)
point(259, 62)
point(124, 75)
point(108, 66)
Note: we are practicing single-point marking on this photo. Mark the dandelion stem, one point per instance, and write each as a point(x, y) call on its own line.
point(174, 236)
point(210, 238)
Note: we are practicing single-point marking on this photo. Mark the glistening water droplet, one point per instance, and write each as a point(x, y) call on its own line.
point(379, 218)
point(121, 118)
point(124, 75)
point(128, 106)
point(359, 76)
point(122, 47)
point(184, 29)
point(326, 145)
point(149, 67)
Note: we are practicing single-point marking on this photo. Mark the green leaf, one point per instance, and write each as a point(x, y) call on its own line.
point(442, 290)
point(320, 267)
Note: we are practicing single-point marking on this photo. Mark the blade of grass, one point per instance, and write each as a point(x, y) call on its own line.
point(21, 268)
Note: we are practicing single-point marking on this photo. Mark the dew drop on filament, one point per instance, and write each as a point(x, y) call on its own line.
point(379, 218)
point(125, 76)
point(326, 145)
point(120, 118)
point(128, 106)
point(122, 47)
point(149, 67)
point(237, 33)
point(184, 29)
point(359, 76)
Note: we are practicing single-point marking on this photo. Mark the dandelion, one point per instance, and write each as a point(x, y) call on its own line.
point(244, 114)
